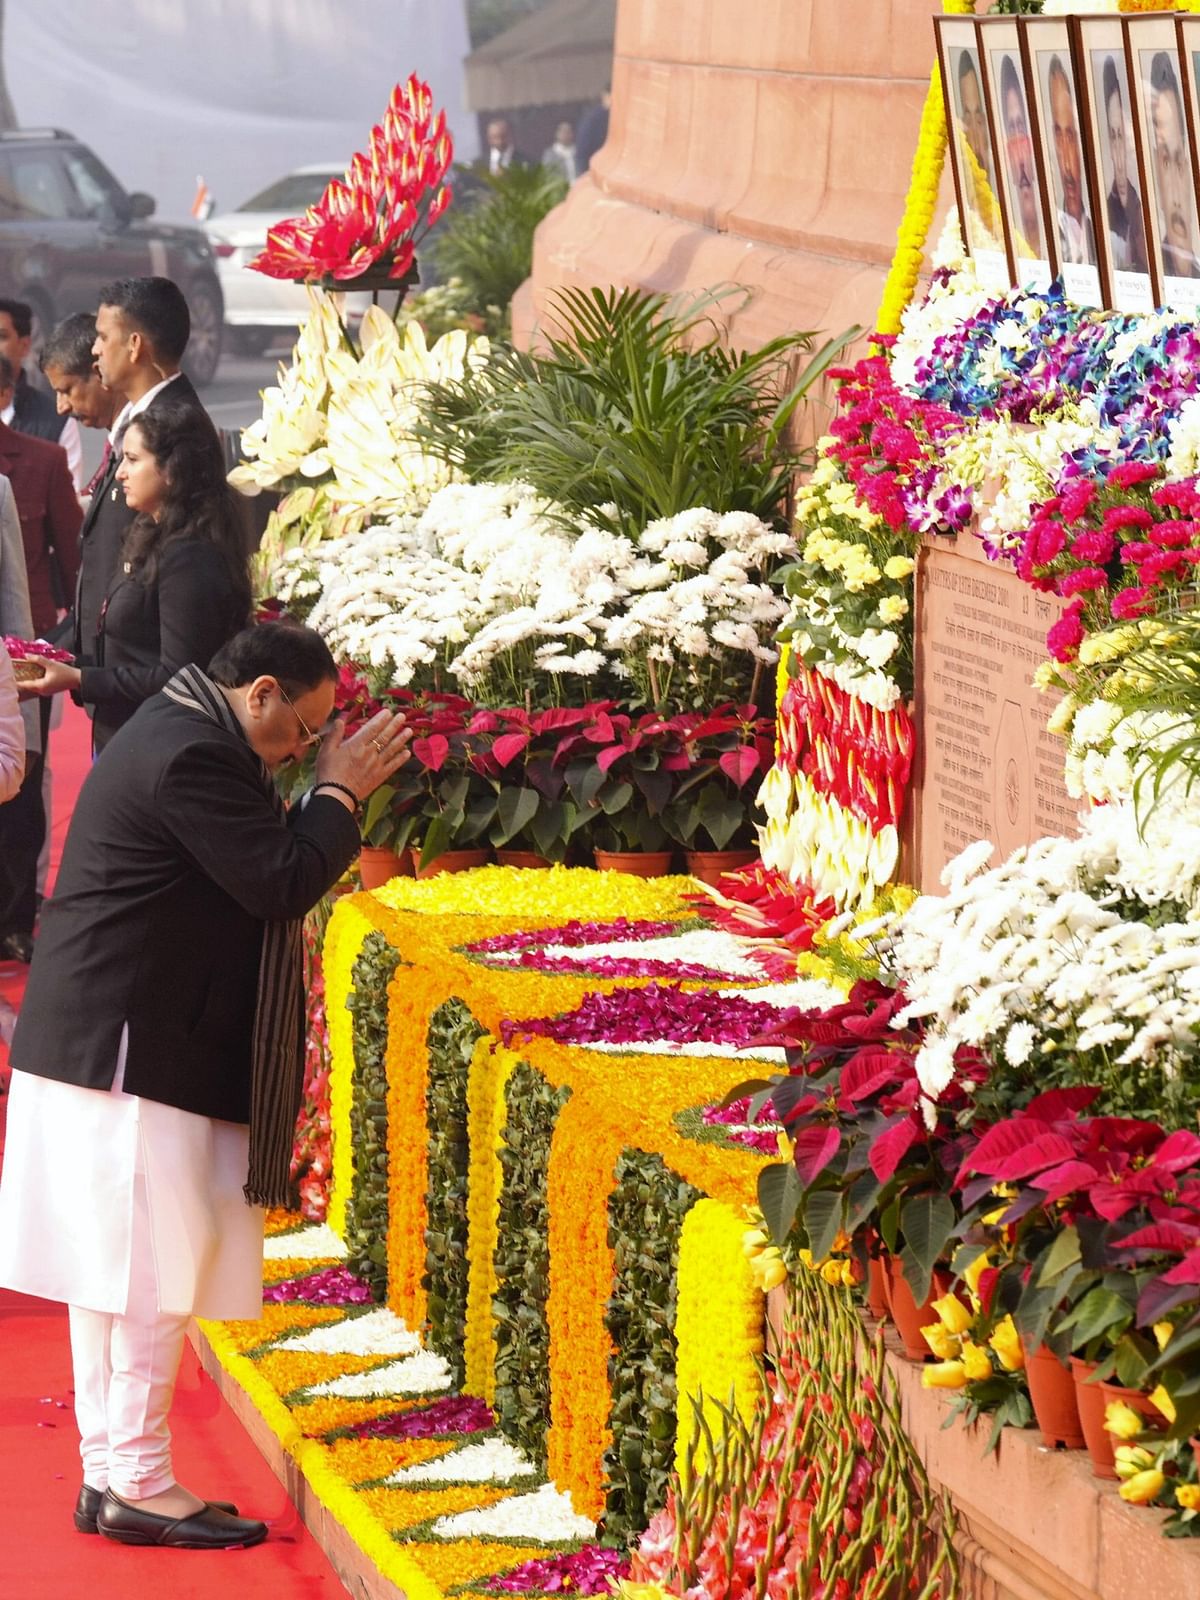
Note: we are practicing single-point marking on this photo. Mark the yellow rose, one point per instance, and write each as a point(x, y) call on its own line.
point(1188, 1496)
point(1160, 1398)
point(1006, 1342)
point(1130, 1459)
point(831, 1271)
point(897, 568)
point(768, 1270)
point(1122, 1420)
point(976, 1361)
point(944, 1375)
point(941, 1341)
point(952, 1313)
point(892, 608)
point(1142, 1487)
point(975, 1271)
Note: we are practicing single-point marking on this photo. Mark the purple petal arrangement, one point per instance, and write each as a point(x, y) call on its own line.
point(455, 1413)
point(591, 1570)
point(332, 1286)
point(658, 1011)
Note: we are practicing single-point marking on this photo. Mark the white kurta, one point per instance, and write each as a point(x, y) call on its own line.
point(66, 1201)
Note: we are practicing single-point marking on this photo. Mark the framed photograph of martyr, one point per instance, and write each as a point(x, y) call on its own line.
point(1188, 29)
point(1162, 119)
point(1110, 128)
point(1051, 70)
point(973, 152)
point(1022, 178)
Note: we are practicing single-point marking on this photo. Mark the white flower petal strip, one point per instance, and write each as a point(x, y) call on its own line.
point(318, 1243)
point(545, 1514)
point(378, 1333)
point(423, 1373)
point(490, 1461)
point(702, 947)
point(694, 1047)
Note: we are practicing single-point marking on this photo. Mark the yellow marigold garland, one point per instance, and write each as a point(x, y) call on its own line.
point(348, 928)
point(583, 1159)
point(919, 207)
point(491, 1067)
point(921, 202)
point(718, 1320)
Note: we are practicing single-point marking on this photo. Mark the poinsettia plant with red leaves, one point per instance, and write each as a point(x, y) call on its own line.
point(1086, 1221)
point(370, 222)
point(729, 750)
point(534, 808)
point(862, 1149)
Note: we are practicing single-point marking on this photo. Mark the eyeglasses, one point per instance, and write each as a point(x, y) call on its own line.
point(310, 738)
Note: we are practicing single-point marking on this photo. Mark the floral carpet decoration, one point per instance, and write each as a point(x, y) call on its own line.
point(514, 1175)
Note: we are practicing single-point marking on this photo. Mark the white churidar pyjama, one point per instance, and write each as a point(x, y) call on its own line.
point(132, 1213)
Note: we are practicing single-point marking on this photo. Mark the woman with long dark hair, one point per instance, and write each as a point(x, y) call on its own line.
point(181, 589)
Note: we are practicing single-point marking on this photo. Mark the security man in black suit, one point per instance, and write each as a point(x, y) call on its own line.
point(142, 330)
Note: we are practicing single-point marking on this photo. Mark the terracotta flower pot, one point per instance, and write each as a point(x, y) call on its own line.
point(376, 866)
point(908, 1316)
point(710, 866)
point(1090, 1402)
point(1052, 1391)
point(877, 1287)
point(521, 858)
point(638, 863)
point(1136, 1401)
point(449, 861)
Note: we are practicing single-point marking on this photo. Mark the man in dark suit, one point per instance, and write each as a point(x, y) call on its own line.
point(142, 329)
point(50, 515)
point(33, 411)
point(159, 1052)
point(69, 367)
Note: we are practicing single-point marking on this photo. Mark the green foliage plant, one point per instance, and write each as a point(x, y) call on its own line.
point(486, 243)
point(634, 409)
point(367, 1207)
point(645, 1218)
point(451, 1040)
point(522, 1260)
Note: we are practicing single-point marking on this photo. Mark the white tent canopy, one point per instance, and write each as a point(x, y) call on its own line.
point(237, 91)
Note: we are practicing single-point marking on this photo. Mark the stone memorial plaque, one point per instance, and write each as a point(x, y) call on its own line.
point(986, 767)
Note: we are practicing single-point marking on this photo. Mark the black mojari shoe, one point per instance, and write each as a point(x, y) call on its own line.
point(87, 1508)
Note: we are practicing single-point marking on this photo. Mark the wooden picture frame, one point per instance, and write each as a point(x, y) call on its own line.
point(973, 157)
point(1173, 232)
point(1030, 238)
point(1052, 72)
point(1118, 161)
point(1188, 38)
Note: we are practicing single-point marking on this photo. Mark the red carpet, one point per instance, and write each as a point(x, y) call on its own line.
point(41, 1555)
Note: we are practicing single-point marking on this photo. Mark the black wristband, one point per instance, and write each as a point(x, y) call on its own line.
point(343, 788)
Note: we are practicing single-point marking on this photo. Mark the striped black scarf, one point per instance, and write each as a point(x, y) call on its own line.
point(277, 1057)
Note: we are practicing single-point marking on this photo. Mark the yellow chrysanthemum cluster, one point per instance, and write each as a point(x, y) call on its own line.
point(719, 1336)
point(344, 938)
point(851, 562)
point(556, 894)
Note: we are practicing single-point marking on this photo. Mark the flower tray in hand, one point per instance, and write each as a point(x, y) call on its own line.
point(27, 657)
